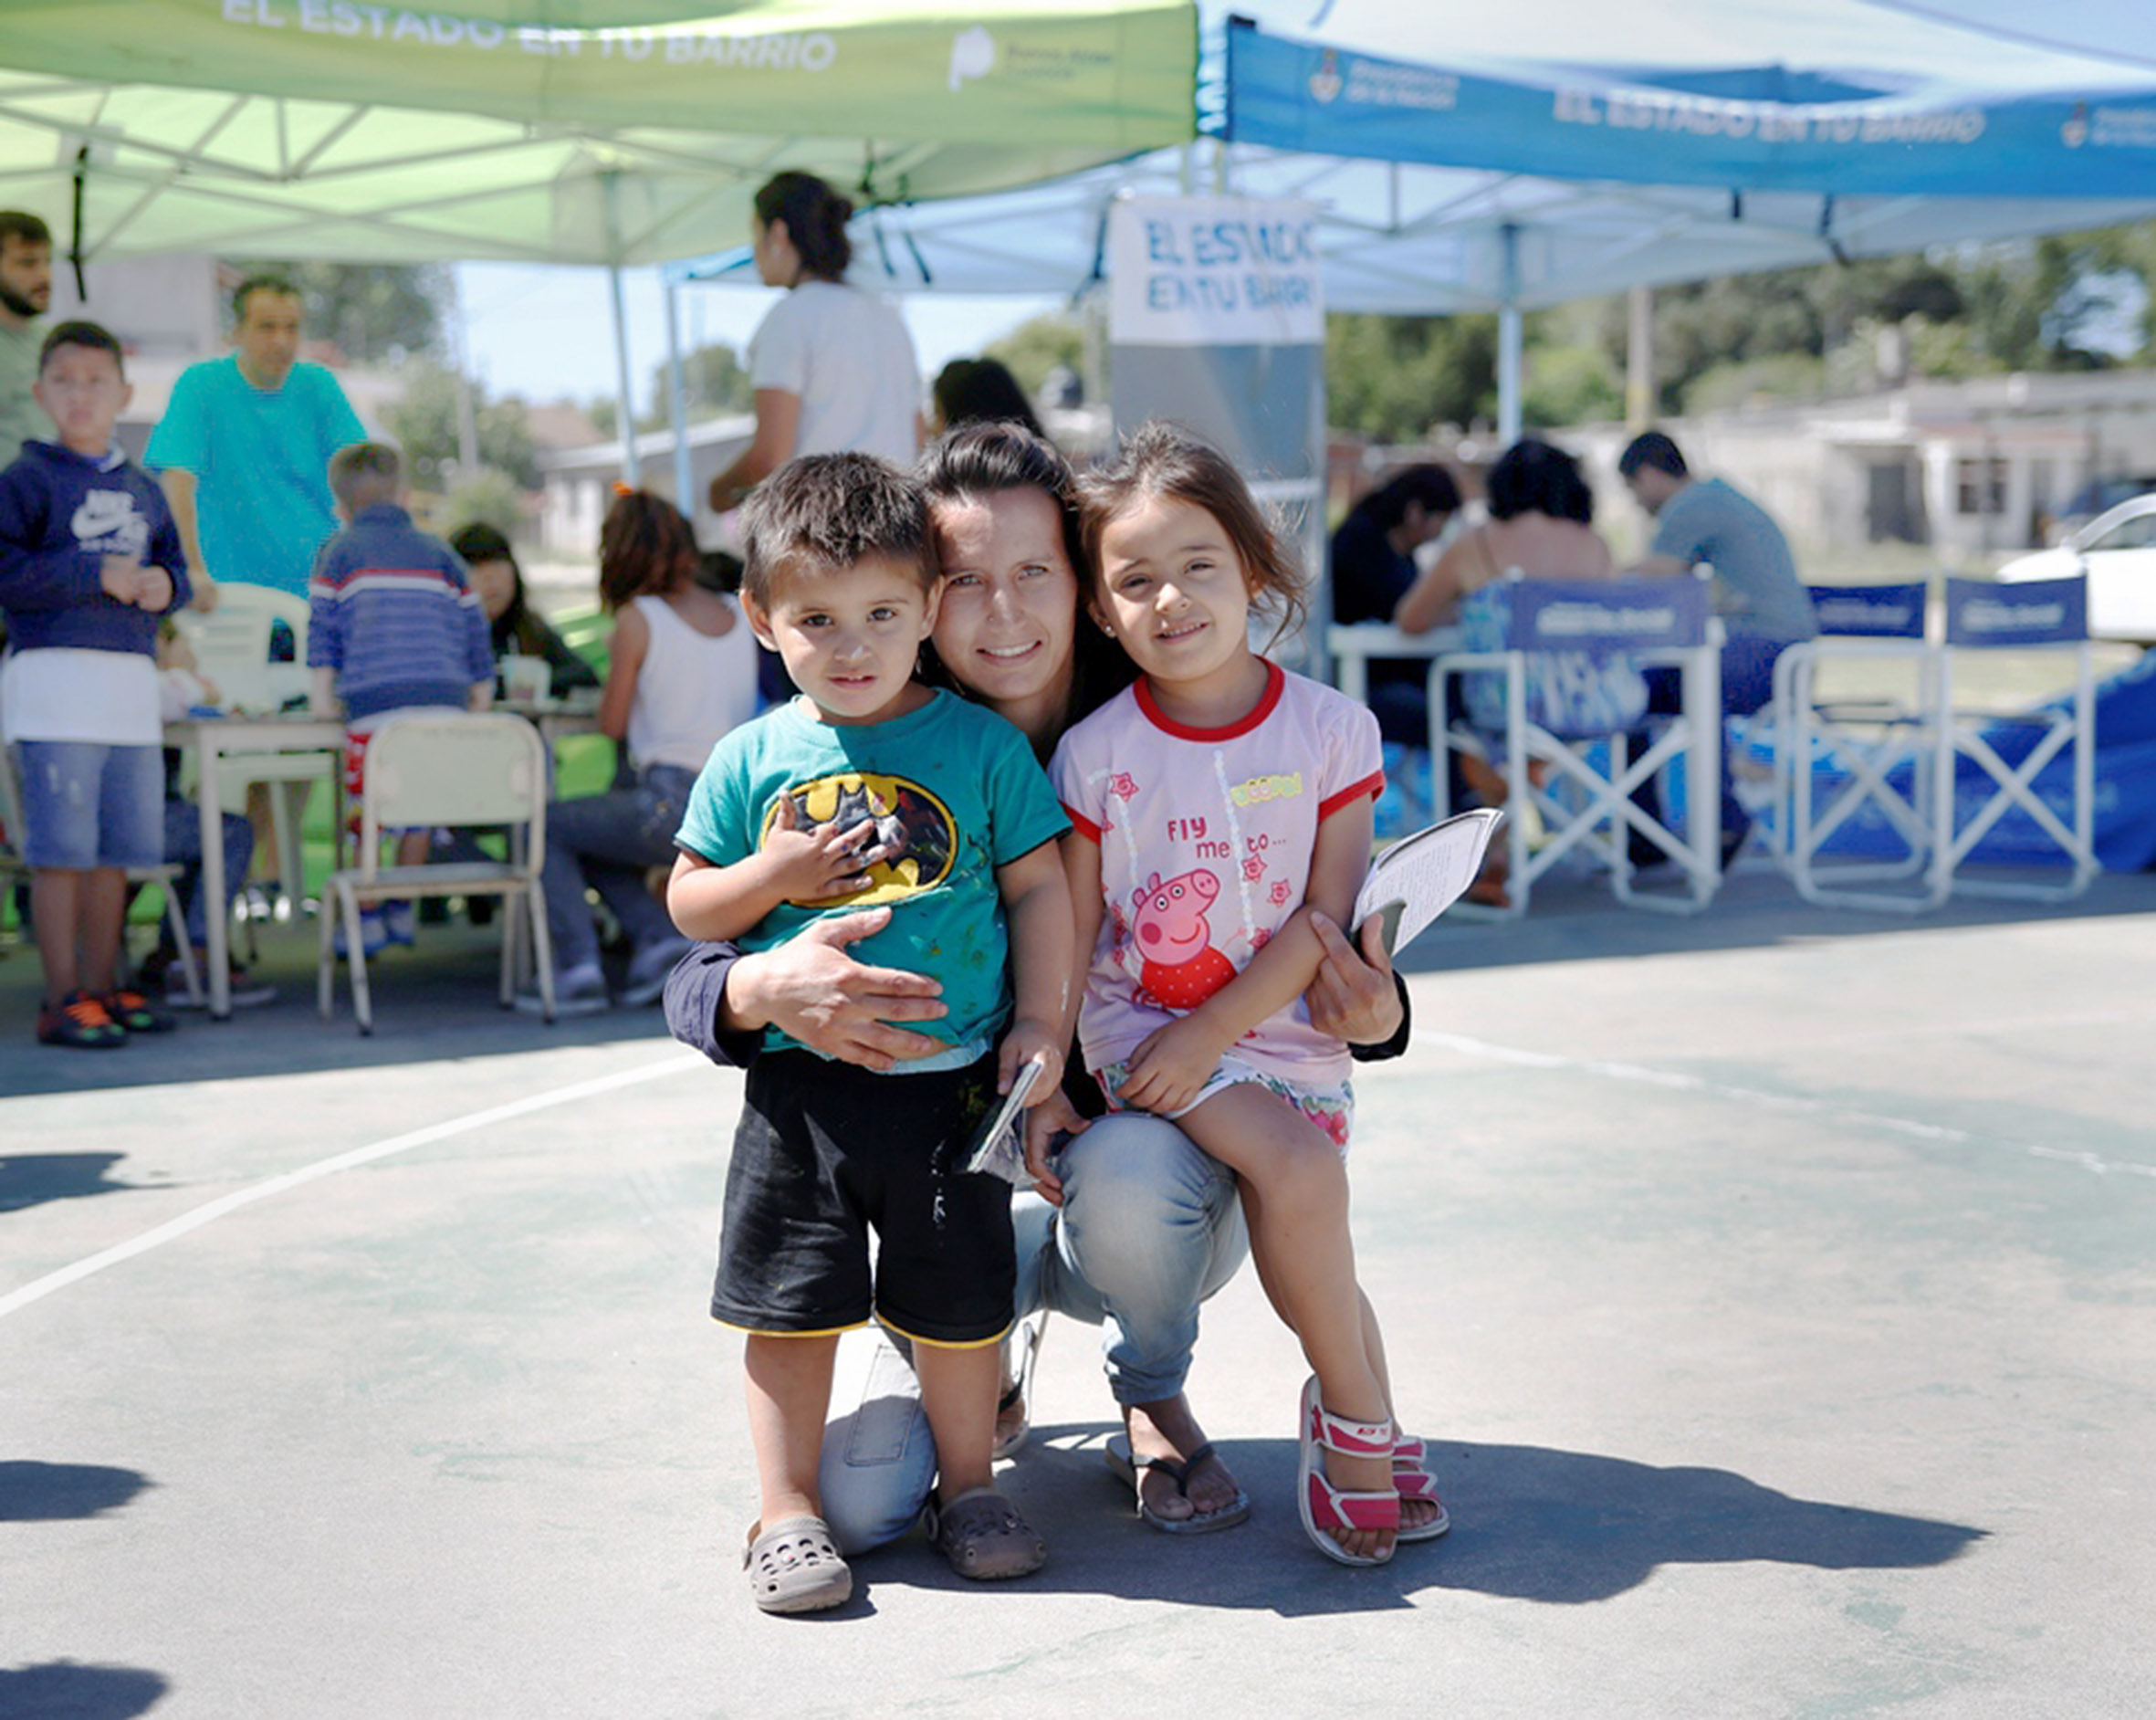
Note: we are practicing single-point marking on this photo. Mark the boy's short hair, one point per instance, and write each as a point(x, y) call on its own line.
point(20, 224)
point(830, 512)
point(366, 474)
point(93, 335)
point(1655, 451)
point(281, 284)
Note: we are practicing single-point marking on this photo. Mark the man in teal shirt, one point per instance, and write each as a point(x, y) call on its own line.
point(242, 450)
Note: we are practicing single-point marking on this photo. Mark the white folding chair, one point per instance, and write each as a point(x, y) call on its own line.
point(2049, 618)
point(1862, 768)
point(14, 869)
point(1581, 797)
point(230, 645)
point(459, 770)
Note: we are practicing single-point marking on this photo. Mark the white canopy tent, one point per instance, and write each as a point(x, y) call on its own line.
point(1458, 183)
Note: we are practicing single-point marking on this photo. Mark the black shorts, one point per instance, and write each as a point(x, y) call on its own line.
point(826, 1150)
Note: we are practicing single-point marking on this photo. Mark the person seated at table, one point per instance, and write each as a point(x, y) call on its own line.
point(394, 625)
point(980, 390)
point(514, 627)
point(1373, 566)
point(681, 672)
point(1541, 522)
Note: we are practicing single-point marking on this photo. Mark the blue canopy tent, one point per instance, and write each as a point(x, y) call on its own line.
point(1676, 140)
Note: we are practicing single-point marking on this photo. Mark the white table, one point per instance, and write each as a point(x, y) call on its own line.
point(1352, 646)
point(213, 738)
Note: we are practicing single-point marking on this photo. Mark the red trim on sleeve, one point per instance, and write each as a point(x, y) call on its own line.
point(1083, 825)
point(1275, 680)
point(1372, 785)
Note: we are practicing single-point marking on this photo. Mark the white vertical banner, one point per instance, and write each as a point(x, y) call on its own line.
point(1216, 320)
point(1214, 271)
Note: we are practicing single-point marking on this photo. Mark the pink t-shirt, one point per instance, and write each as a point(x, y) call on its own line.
point(1206, 838)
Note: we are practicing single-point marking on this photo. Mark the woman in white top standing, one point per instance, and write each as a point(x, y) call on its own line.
point(832, 366)
point(681, 671)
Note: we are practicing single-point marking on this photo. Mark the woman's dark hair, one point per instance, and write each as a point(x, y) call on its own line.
point(1386, 506)
point(981, 391)
point(1534, 477)
point(1164, 459)
point(645, 550)
point(990, 459)
point(815, 217)
point(480, 543)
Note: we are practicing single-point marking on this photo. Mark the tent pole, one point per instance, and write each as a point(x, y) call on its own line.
point(631, 475)
point(1508, 343)
point(677, 406)
point(624, 419)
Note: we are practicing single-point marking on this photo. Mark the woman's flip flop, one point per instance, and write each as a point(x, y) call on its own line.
point(1179, 1471)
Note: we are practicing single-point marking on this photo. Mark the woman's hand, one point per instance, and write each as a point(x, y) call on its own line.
point(1047, 1124)
point(1353, 997)
point(814, 992)
point(1172, 1066)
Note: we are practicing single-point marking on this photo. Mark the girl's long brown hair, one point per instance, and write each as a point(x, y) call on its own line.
point(1164, 459)
point(645, 550)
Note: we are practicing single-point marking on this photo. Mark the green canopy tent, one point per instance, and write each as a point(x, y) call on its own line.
point(613, 132)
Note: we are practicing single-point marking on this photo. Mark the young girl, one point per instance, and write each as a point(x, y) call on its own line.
point(681, 671)
point(1217, 802)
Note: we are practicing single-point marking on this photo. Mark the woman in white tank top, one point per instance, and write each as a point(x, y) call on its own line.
point(681, 672)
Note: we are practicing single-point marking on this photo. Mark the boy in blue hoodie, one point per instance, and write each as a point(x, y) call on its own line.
point(89, 563)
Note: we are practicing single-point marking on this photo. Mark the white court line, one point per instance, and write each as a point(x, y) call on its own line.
point(1642, 1075)
point(174, 1228)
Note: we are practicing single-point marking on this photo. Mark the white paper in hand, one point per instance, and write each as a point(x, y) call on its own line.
point(1420, 876)
point(1000, 1149)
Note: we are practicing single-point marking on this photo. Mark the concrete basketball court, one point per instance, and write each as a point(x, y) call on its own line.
point(1778, 1290)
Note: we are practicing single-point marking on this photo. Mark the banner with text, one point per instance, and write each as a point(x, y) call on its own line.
point(1216, 320)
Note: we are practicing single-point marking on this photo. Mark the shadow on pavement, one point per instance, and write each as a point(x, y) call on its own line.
point(32, 1179)
point(32, 1492)
point(1563, 1528)
point(60, 1690)
point(439, 1002)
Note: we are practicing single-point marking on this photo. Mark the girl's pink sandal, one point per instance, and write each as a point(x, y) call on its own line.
point(1410, 1475)
point(1322, 1505)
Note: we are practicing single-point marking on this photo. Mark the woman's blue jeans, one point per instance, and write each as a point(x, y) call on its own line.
point(607, 843)
point(1150, 1226)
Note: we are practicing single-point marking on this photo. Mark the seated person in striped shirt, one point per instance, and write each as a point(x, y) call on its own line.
point(394, 625)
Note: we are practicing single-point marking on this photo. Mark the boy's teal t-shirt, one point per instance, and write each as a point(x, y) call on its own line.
point(959, 782)
point(261, 462)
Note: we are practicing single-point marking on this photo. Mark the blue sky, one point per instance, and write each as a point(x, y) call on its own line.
point(547, 332)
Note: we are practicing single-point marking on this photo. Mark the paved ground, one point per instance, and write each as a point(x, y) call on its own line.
point(1778, 1290)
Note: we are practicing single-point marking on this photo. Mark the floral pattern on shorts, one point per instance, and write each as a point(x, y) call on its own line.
point(1329, 1105)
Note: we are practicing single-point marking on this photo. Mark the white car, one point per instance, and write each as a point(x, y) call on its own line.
point(2118, 551)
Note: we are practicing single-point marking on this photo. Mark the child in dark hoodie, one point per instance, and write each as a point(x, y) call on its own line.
point(90, 562)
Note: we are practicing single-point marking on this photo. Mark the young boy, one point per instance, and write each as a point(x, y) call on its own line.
point(872, 789)
point(394, 625)
point(90, 560)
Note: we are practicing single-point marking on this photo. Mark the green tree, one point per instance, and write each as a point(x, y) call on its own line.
point(1393, 379)
point(425, 423)
point(1036, 347)
point(376, 313)
point(714, 381)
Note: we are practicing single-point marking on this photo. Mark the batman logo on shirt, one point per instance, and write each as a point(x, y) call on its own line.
point(913, 825)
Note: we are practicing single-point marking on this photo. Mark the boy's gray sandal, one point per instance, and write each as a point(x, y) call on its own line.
point(982, 1535)
point(794, 1567)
